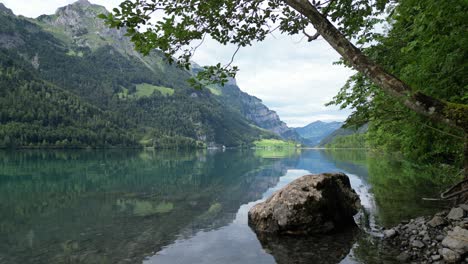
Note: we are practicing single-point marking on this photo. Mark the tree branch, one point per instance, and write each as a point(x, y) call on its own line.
point(428, 106)
point(311, 38)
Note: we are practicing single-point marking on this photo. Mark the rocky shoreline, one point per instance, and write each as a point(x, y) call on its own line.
point(442, 238)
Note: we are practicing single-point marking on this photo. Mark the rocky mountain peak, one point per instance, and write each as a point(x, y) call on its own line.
point(78, 21)
point(83, 3)
point(5, 10)
point(79, 11)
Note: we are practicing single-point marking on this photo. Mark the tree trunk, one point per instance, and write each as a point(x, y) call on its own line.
point(454, 115)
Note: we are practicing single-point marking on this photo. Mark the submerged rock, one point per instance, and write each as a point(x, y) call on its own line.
point(308, 205)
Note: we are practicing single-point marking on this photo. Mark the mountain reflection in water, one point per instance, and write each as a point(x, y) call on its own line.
point(175, 207)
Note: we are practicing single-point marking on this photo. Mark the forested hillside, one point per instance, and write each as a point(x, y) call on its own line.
point(66, 80)
point(426, 48)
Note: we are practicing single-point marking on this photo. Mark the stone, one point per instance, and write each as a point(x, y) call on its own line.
point(464, 207)
point(389, 233)
point(437, 221)
point(457, 240)
point(450, 256)
point(440, 237)
point(435, 257)
point(403, 257)
point(417, 244)
point(443, 213)
point(411, 227)
point(310, 204)
point(456, 214)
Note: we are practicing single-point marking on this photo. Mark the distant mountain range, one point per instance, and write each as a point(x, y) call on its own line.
point(315, 132)
point(67, 80)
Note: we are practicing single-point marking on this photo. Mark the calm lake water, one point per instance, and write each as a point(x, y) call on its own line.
point(150, 207)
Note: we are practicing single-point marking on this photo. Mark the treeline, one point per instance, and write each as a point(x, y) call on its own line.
point(426, 48)
point(349, 141)
point(37, 114)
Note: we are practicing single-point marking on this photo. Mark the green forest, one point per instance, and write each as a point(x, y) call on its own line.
point(425, 47)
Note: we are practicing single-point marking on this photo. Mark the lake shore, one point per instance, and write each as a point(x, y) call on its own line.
point(442, 238)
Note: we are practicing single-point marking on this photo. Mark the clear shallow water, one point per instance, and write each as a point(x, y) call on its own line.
point(188, 207)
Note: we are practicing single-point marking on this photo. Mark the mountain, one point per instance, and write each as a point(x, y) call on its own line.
point(315, 132)
point(342, 133)
point(254, 110)
point(67, 80)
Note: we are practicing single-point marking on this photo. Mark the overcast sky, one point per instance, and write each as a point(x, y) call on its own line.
point(293, 77)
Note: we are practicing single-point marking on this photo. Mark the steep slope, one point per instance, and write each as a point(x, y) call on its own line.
point(251, 108)
point(75, 53)
point(342, 132)
point(255, 111)
point(315, 132)
point(37, 113)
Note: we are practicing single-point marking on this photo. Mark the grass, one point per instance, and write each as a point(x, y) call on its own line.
point(74, 53)
point(145, 89)
point(274, 143)
point(276, 148)
point(268, 153)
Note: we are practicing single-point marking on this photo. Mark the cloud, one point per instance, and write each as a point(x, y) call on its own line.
point(293, 77)
point(35, 8)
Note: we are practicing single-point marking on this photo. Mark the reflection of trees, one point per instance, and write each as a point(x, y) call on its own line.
point(351, 161)
point(371, 250)
point(102, 207)
point(398, 186)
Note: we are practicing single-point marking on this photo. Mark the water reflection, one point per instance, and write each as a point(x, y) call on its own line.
point(95, 207)
point(324, 249)
point(180, 207)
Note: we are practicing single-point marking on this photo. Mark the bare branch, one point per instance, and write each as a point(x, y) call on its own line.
point(310, 38)
point(232, 58)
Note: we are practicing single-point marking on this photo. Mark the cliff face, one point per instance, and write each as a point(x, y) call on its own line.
point(253, 109)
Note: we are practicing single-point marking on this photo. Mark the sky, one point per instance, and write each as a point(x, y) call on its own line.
point(291, 76)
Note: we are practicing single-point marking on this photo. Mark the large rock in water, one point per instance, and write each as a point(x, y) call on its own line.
point(309, 205)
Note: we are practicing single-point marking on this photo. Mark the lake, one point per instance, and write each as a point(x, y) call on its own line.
point(127, 206)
